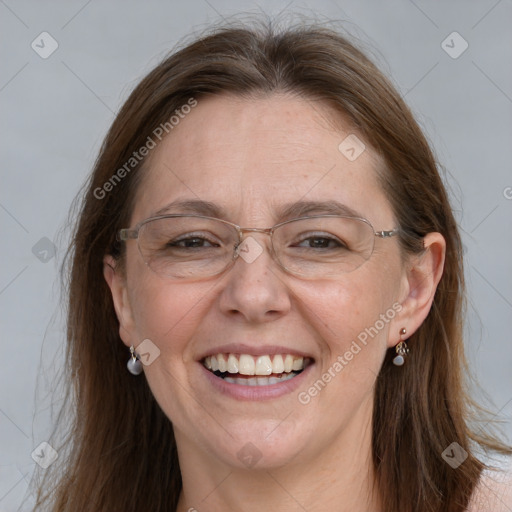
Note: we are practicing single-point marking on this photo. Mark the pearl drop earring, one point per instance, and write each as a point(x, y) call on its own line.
point(401, 350)
point(134, 365)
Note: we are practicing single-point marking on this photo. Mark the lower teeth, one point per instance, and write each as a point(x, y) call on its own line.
point(260, 380)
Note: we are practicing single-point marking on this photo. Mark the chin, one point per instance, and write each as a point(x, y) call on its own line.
point(259, 445)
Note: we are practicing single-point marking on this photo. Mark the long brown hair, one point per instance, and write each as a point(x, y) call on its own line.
point(121, 453)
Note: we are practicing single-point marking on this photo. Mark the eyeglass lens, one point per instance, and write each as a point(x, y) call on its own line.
point(195, 247)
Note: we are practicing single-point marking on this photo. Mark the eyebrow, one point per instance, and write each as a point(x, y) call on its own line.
point(284, 212)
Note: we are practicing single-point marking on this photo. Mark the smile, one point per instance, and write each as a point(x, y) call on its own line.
point(249, 370)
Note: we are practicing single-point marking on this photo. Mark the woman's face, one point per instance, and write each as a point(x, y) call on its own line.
point(251, 157)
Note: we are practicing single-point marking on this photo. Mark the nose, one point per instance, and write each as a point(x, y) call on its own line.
point(255, 287)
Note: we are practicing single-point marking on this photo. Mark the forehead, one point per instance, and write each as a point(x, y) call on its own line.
point(251, 157)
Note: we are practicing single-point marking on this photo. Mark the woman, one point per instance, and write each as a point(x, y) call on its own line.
point(317, 365)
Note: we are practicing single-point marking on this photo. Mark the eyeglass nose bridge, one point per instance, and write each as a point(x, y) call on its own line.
point(241, 239)
point(268, 231)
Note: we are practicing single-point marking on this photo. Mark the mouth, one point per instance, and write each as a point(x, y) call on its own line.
point(249, 370)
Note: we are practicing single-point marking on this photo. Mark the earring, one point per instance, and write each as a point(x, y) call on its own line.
point(134, 365)
point(401, 350)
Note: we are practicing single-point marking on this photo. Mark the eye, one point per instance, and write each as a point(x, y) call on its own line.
point(191, 242)
point(322, 242)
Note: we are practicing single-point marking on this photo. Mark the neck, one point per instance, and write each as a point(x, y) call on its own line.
point(340, 477)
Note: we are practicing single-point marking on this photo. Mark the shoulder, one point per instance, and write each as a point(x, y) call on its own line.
point(493, 492)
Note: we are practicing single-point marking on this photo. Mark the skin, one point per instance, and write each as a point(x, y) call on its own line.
point(249, 156)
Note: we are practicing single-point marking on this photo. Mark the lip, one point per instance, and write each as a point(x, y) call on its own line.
point(254, 350)
point(256, 393)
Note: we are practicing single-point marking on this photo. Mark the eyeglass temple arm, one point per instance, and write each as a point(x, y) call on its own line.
point(127, 234)
point(386, 234)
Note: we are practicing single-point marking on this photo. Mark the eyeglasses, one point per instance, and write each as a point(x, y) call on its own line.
point(193, 247)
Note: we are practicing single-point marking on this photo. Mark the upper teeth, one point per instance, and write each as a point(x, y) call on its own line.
point(246, 364)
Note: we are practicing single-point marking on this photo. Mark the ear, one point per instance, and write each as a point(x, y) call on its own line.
point(419, 286)
point(117, 284)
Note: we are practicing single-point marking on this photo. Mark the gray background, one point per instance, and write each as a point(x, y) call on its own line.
point(56, 111)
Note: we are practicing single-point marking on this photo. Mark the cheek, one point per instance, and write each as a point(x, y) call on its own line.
point(167, 313)
point(353, 337)
point(352, 318)
point(160, 309)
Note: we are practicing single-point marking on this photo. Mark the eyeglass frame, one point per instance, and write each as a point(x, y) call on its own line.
point(126, 234)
